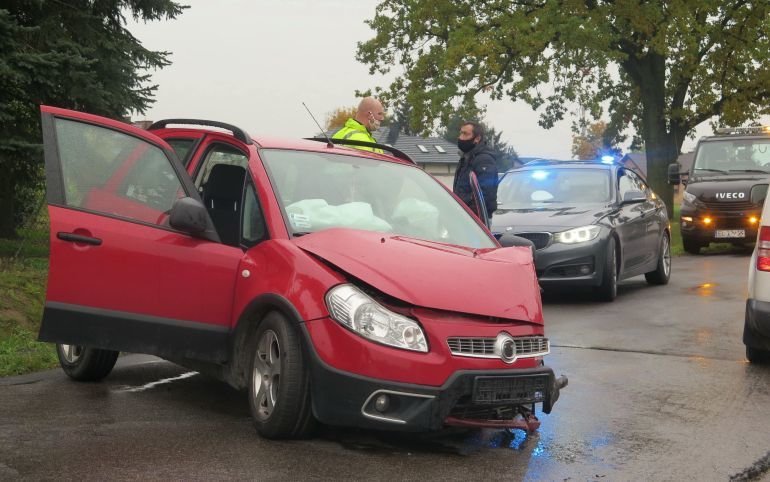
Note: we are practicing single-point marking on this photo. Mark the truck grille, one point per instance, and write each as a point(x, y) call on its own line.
point(731, 206)
point(526, 346)
point(541, 240)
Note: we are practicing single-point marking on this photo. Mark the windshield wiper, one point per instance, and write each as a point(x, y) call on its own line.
point(709, 170)
point(750, 170)
point(300, 233)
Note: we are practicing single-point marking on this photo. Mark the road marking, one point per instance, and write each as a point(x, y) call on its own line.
point(159, 382)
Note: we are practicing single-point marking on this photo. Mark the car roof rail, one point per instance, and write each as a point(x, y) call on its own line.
point(353, 142)
point(238, 133)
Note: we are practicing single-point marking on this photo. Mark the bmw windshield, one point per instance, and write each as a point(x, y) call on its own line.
point(527, 189)
point(320, 190)
point(733, 156)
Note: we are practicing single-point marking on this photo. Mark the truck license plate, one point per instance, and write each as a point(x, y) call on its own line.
point(730, 233)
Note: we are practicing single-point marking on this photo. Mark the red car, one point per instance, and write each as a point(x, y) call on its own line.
point(333, 284)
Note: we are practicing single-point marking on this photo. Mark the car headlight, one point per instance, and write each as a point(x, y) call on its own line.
point(353, 309)
point(577, 235)
point(689, 197)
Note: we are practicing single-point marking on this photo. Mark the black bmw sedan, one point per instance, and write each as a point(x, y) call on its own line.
point(593, 223)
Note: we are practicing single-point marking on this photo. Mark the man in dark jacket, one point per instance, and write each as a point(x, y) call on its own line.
point(478, 158)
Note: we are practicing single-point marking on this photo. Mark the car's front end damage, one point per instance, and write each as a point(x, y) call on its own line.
point(421, 351)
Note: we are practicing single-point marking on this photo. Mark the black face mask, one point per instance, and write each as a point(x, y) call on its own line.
point(466, 145)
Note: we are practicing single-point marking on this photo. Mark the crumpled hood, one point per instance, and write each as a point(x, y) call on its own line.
point(547, 219)
point(497, 282)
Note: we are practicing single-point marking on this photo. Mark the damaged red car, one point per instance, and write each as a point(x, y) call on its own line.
point(332, 284)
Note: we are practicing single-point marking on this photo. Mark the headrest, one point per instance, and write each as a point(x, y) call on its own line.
point(225, 181)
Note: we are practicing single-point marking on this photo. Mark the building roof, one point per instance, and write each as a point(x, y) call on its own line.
point(636, 161)
point(429, 150)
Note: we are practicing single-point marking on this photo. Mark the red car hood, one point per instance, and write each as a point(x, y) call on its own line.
point(488, 282)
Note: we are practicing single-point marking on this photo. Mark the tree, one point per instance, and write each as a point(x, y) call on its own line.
point(663, 67)
point(74, 54)
point(336, 119)
point(593, 143)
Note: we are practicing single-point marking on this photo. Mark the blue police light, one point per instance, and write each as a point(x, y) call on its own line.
point(539, 175)
point(607, 159)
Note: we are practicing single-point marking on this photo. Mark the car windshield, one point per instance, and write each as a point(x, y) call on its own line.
point(733, 155)
point(322, 190)
point(532, 188)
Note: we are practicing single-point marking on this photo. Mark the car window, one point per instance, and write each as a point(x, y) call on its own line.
point(114, 173)
point(219, 154)
point(253, 220)
point(713, 157)
point(627, 182)
point(531, 188)
point(182, 148)
point(322, 190)
point(642, 186)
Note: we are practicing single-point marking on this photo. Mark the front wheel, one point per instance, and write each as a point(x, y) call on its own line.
point(691, 246)
point(608, 290)
point(279, 382)
point(85, 364)
point(755, 355)
point(662, 272)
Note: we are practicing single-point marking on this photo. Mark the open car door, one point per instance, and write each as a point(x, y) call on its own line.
point(120, 274)
point(479, 207)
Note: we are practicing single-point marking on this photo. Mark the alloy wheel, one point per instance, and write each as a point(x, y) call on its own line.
point(267, 374)
point(71, 353)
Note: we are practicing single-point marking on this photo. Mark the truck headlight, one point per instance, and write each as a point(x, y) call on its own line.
point(355, 310)
point(689, 197)
point(577, 235)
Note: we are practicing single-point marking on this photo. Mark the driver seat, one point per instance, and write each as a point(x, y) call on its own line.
point(222, 196)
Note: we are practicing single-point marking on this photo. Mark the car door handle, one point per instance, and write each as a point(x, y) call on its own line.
point(78, 238)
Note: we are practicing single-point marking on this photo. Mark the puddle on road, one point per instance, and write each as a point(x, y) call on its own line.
point(709, 290)
point(451, 441)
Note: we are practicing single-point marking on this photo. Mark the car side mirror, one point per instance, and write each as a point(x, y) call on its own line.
point(631, 197)
point(674, 175)
point(189, 215)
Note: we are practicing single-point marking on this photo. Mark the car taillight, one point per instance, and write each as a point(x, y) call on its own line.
point(763, 249)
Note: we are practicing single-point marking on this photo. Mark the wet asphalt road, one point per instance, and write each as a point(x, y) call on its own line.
point(659, 390)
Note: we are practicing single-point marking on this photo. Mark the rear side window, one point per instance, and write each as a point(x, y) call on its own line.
point(114, 173)
point(182, 148)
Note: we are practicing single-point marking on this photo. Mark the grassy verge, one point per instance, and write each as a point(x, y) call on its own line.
point(23, 273)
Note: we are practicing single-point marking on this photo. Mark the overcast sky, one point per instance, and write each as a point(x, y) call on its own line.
point(253, 62)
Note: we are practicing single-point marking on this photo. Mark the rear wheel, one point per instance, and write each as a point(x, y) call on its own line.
point(691, 246)
point(662, 272)
point(279, 382)
point(86, 364)
point(755, 355)
point(608, 290)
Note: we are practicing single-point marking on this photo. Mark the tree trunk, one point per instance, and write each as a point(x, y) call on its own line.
point(7, 191)
point(660, 145)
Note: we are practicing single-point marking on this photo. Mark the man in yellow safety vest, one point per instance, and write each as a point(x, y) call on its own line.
point(368, 117)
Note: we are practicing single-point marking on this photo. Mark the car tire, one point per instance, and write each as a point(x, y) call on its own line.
point(279, 382)
point(690, 246)
point(608, 289)
point(755, 355)
point(85, 364)
point(662, 272)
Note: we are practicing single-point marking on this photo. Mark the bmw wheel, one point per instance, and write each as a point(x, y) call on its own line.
point(279, 382)
point(662, 272)
point(85, 364)
point(608, 290)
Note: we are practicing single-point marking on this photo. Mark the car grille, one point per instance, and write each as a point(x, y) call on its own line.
point(526, 346)
point(730, 206)
point(541, 240)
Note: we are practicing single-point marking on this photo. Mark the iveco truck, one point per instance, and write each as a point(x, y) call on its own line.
point(725, 188)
